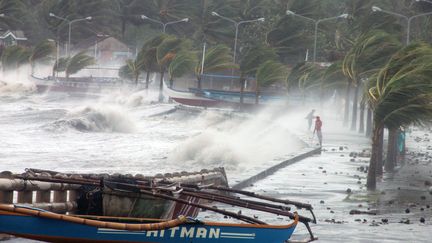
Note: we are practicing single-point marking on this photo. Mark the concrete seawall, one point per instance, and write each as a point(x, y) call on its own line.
point(245, 183)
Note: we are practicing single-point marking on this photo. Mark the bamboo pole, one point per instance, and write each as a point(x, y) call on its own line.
point(60, 207)
point(220, 198)
point(223, 212)
point(26, 184)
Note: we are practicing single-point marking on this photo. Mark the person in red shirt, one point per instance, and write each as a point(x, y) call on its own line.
point(318, 125)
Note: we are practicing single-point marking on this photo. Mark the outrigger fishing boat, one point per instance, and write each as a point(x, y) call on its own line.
point(39, 224)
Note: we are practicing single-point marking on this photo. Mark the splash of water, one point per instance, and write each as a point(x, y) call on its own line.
point(236, 143)
point(96, 119)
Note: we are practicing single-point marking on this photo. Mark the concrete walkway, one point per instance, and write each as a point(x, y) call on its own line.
point(334, 183)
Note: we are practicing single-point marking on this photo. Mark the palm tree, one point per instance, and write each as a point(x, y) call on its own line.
point(127, 11)
point(14, 56)
point(268, 73)
point(370, 52)
point(182, 63)
point(131, 70)
point(60, 65)
point(216, 59)
point(78, 62)
point(147, 56)
point(400, 95)
point(306, 77)
point(165, 53)
point(253, 58)
point(41, 51)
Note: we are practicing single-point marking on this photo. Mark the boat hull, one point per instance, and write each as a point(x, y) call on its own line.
point(54, 230)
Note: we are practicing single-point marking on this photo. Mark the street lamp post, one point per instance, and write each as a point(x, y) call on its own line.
point(316, 22)
point(164, 25)
point(70, 22)
point(237, 24)
point(408, 19)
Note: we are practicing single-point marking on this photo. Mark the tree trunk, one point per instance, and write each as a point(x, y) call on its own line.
point(123, 28)
point(347, 99)
point(242, 82)
point(391, 150)
point(369, 122)
point(136, 80)
point(379, 168)
point(362, 111)
point(354, 108)
point(171, 82)
point(199, 81)
point(161, 97)
point(257, 94)
point(147, 80)
point(371, 178)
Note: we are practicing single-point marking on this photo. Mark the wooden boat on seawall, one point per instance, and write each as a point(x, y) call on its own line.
point(39, 224)
point(73, 84)
point(249, 98)
point(102, 194)
point(191, 99)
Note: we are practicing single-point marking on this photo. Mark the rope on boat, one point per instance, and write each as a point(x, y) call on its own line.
point(95, 223)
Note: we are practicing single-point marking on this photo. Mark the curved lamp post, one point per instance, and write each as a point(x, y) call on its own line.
point(164, 25)
point(316, 22)
point(408, 19)
point(70, 22)
point(237, 24)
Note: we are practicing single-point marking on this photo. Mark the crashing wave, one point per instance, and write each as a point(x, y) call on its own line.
point(16, 87)
point(95, 119)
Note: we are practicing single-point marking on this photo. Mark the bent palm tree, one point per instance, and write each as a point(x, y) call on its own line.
point(401, 95)
point(78, 62)
point(165, 54)
point(267, 74)
point(369, 52)
point(41, 51)
point(254, 57)
point(216, 59)
point(14, 56)
point(60, 65)
point(183, 63)
point(131, 70)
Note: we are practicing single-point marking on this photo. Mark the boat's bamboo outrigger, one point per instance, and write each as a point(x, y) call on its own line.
point(169, 191)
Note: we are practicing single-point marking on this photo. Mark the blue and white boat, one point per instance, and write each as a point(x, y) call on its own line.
point(42, 225)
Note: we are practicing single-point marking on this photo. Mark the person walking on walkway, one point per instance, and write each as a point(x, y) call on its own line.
point(318, 125)
point(310, 118)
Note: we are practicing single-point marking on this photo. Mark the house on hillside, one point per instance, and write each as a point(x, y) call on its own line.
point(107, 50)
point(12, 37)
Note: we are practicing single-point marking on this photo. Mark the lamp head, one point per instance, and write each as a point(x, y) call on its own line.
point(289, 12)
point(144, 17)
point(89, 18)
point(215, 14)
point(344, 16)
point(261, 19)
point(376, 9)
point(51, 14)
point(185, 19)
